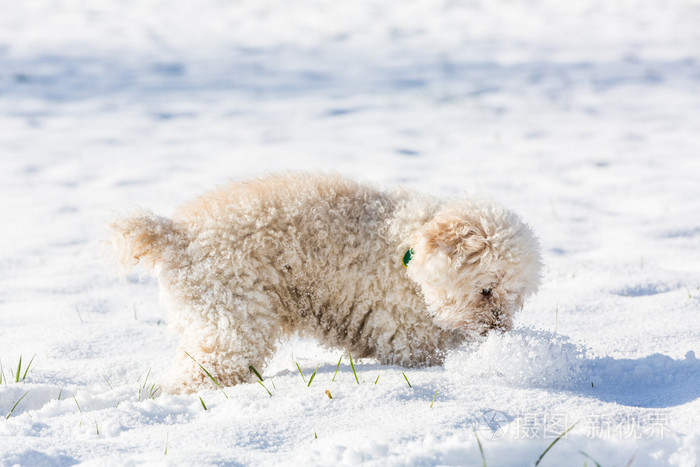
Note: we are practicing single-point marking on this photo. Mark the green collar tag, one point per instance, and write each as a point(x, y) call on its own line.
point(407, 257)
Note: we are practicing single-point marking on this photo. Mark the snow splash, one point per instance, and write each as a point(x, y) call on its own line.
point(522, 358)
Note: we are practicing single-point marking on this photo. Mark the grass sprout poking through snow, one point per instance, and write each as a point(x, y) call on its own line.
point(19, 369)
point(481, 450)
point(300, 372)
point(553, 443)
point(336, 368)
point(431, 404)
point(252, 369)
point(150, 392)
point(145, 381)
point(375, 381)
point(209, 375)
point(268, 391)
point(352, 365)
point(328, 393)
point(312, 376)
point(406, 378)
point(16, 375)
point(260, 379)
point(24, 376)
point(76, 403)
point(153, 391)
point(203, 404)
point(16, 404)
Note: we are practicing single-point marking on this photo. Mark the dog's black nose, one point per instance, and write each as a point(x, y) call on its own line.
point(486, 293)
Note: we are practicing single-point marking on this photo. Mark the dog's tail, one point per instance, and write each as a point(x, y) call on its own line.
point(148, 239)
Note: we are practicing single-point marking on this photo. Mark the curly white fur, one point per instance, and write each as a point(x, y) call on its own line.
point(321, 256)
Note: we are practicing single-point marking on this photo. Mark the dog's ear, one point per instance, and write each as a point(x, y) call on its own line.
point(462, 240)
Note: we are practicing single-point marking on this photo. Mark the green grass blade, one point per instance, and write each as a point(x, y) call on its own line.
point(553, 443)
point(76, 403)
point(352, 365)
point(28, 366)
point(60, 393)
point(268, 391)
point(406, 378)
point(203, 404)
point(481, 449)
point(312, 376)
point(97, 428)
point(145, 381)
point(16, 404)
point(431, 404)
point(597, 464)
point(19, 368)
point(252, 368)
point(328, 393)
point(302, 374)
point(2, 374)
point(336, 367)
point(208, 374)
point(167, 435)
point(375, 381)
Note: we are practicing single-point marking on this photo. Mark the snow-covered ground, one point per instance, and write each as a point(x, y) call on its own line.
point(583, 116)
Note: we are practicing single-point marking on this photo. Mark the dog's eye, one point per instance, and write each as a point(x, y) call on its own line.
point(486, 293)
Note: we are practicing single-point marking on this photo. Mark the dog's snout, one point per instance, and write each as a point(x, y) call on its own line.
point(502, 321)
point(486, 293)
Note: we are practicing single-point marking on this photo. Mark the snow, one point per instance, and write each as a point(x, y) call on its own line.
point(581, 116)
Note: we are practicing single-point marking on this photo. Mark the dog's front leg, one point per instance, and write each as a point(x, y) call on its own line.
point(226, 351)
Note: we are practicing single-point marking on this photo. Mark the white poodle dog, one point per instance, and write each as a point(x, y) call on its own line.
point(398, 276)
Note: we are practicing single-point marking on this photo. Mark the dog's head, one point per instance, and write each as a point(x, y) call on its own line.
point(476, 263)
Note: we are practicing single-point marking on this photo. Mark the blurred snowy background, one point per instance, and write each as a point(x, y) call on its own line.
point(582, 116)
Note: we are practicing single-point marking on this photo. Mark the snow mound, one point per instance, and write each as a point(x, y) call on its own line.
point(522, 358)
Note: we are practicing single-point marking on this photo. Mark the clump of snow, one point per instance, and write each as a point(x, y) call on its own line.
point(580, 116)
point(521, 358)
